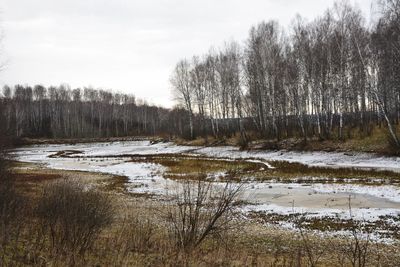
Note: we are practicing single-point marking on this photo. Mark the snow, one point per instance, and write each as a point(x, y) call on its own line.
point(143, 177)
point(389, 192)
point(361, 214)
point(105, 149)
point(313, 199)
point(324, 159)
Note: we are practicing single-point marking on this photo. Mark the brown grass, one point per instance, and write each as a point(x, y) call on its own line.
point(195, 167)
point(287, 170)
point(138, 236)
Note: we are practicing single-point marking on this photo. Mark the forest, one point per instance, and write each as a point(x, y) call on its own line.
point(62, 112)
point(326, 79)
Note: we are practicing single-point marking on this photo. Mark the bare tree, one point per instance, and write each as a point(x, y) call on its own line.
point(180, 81)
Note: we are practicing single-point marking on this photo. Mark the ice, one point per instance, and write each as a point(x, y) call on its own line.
point(360, 214)
point(325, 159)
point(389, 192)
point(143, 177)
point(314, 199)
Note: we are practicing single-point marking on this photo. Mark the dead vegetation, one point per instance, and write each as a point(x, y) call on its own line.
point(12, 209)
point(200, 210)
point(73, 216)
point(284, 170)
point(197, 167)
point(196, 227)
point(145, 233)
point(377, 141)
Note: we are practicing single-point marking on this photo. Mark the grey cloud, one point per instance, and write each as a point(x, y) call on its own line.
point(129, 46)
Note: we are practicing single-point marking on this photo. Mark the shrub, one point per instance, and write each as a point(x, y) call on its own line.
point(200, 210)
point(73, 216)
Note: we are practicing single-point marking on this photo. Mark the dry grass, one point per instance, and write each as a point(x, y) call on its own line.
point(289, 170)
point(196, 167)
point(72, 216)
point(200, 141)
point(139, 237)
point(377, 142)
point(332, 224)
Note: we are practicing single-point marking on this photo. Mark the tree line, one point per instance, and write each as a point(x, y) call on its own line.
point(62, 112)
point(324, 78)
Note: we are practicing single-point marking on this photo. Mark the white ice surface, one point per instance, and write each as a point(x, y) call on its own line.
point(362, 214)
point(148, 177)
point(143, 177)
point(326, 159)
point(388, 192)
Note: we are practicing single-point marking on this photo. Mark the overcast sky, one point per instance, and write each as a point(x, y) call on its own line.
point(128, 46)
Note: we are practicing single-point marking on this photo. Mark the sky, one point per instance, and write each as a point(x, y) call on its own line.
point(128, 46)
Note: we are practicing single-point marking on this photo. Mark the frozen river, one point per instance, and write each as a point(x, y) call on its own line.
point(368, 202)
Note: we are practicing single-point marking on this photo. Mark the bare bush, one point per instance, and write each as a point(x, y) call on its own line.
point(72, 216)
point(357, 248)
point(201, 209)
point(313, 251)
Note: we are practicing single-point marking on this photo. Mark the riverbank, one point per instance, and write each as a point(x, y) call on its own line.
point(376, 142)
